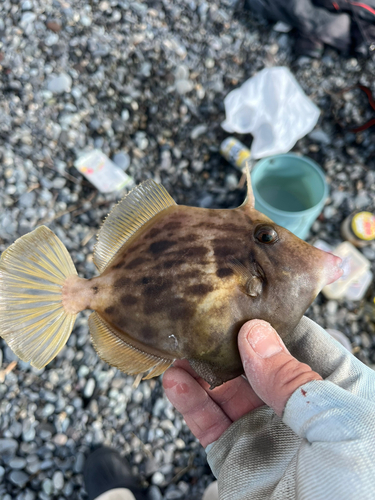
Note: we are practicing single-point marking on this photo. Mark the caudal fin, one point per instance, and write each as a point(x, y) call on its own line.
point(33, 321)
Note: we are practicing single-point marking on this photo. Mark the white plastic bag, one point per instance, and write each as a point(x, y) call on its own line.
point(273, 108)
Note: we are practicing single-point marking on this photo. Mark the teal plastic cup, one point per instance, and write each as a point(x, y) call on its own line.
point(291, 190)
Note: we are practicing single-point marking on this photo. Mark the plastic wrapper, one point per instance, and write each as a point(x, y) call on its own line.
point(273, 108)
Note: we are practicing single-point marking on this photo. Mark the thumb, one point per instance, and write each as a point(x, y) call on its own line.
point(271, 370)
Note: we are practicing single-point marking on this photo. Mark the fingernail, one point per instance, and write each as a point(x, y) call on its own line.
point(263, 340)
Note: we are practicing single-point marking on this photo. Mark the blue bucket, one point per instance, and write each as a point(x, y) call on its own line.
point(291, 190)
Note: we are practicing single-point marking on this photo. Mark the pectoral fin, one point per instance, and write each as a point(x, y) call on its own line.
point(121, 354)
point(250, 283)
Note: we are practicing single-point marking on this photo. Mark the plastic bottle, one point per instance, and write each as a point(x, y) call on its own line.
point(235, 152)
point(105, 175)
point(359, 228)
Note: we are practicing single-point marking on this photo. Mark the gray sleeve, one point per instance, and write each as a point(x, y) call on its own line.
point(328, 433)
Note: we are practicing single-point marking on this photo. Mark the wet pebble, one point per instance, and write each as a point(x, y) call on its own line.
point(59, 84)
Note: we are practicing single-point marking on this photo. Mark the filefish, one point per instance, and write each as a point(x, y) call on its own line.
point(175, 282)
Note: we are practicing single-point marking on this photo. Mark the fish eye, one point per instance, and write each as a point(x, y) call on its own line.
point(266, 234)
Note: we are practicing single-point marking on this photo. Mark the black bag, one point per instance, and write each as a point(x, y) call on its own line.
point(343, 24)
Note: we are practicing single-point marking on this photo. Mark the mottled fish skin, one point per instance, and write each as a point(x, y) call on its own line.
point(172, 291)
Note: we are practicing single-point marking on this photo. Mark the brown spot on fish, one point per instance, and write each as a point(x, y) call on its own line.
point(119, 265)
point(122, 282)
point(95, 289)
point(148, 332)
point(145, 280)
point(171, 226)
point(191, 237)
point(136, 262)
point(128, 300)
point(153, 232)
point(161, 246)
point(168, 264)
point(194, 273)
point(224, 272)
point(222, 251)
point(180, 309)
point(157, 289)
point(134, 248)
point(201, 289)
point(197, 252)
point(110, 310)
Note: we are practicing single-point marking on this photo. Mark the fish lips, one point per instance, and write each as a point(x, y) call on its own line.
point(333, 268)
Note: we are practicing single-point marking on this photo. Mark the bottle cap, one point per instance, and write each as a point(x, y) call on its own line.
point(363, 226)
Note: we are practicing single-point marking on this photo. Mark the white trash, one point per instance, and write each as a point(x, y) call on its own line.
point(105, 175)
point(273, 108)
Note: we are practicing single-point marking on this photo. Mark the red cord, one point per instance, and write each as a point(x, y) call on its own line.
point(363, 5)
point(336, 5)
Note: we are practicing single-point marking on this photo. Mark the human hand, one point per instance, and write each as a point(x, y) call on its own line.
point(273, 375)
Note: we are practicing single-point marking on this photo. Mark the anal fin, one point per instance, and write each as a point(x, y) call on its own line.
point(122, 355)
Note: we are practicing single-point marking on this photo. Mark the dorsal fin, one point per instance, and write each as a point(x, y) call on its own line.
point(131, 213)
point(122, 355)
point(249, 200)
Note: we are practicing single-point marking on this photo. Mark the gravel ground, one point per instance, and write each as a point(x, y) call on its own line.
point(145, 79)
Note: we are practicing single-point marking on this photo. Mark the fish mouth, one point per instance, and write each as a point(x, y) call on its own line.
point(333, 267)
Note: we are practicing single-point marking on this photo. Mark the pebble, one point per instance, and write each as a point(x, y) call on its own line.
point(318, 135)
point(89, 388)
point(47, 486)
point(59, 84)
point(19, 478)
point(198, 131)
point(8, 447)
point(158, 478)
point(17, 463)
point(184, 86)
point(2, 472)
point(58, 480)
point(122, 160)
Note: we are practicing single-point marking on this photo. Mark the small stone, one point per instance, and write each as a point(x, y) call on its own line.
point(27, 200)
point(19, 478)
point(27, 20)
point(47, 486)
point(79, 463)
point(332, 307)
point(231, 182)
point(17, 463)
point(2, 472)
point(54, 25)
point(60, 83)
point(8, 447)
point(182, 72)
point(27, 5)
point(184, 86)
point(60, 439)
point(209, 63)
point(48, 410)
point(122, 160)
point(198, 131)
point(58, 480)
point(154, 493)
point(329, 212)
point(158, 478)
point(125, 115)
point(89, 388)
point(320, 136)
point(141, 140)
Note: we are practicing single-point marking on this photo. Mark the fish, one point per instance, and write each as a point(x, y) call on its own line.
point(175, 282)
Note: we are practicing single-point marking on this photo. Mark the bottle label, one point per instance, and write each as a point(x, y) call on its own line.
point(363, 226)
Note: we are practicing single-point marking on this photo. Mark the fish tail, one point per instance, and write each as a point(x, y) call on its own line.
point(33, 321)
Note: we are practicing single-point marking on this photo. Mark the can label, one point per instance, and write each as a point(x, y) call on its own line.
point(363, 225)
point(235, 152)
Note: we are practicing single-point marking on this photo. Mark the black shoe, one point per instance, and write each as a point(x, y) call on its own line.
point(105, 470)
